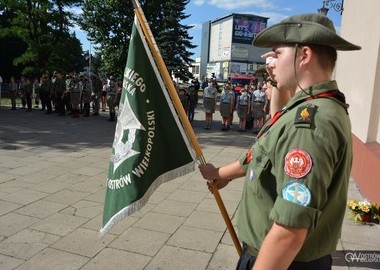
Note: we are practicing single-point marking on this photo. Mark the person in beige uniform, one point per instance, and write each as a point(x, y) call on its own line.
point(243, 108)
point(296, 174)
point(227, 98)
point(209, 102)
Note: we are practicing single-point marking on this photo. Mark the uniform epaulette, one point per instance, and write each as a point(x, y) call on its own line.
point(305, 116)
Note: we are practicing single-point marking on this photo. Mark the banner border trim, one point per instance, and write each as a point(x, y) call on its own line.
point(137, 205)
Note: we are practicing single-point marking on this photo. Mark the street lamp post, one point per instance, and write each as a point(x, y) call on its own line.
point(89, 62)
point(328, 4)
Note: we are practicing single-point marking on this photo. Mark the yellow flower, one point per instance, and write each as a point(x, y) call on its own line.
point(365, 208)
point(359, 209)
point(351, 203)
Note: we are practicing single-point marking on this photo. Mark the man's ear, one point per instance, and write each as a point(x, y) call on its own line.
point(305, 54)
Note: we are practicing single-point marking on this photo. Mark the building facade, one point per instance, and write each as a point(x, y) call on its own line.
point(195, 68)
point(358, 76)
point(226, 46)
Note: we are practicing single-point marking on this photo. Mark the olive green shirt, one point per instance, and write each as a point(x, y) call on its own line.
point(297, 174)
point(46, 86)
point(59, 86)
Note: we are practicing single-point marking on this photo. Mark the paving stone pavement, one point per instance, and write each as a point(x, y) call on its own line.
point(52, 188)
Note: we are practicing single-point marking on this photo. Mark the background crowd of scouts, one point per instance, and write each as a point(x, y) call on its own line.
point(251, 103)
point(74, 95)
point(69, 94)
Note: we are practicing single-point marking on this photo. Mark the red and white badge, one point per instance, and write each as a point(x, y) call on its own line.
point(298, 163)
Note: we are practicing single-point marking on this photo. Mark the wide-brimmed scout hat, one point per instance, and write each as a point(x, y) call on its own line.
point(313, 29)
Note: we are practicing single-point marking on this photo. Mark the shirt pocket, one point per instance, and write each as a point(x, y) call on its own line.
point(258, 170)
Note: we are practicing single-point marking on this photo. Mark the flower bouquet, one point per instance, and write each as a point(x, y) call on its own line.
point(364, 211)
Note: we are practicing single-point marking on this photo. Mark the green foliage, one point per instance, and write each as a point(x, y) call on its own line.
point(10, 45)
point(176, 54)
point(109, 24)
point(42, 30)
point(43, 25)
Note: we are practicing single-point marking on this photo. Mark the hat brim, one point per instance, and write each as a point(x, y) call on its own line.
point(304, 33)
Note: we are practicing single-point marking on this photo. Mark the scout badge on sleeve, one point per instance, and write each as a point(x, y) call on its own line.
point(297, 193)
point(305, 115)
point(298, 163)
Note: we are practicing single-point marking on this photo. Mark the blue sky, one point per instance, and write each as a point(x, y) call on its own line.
point(201, 11)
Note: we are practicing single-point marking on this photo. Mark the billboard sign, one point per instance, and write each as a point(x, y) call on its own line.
point(245, 28)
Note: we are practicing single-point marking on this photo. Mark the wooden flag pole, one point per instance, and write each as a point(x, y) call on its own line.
point(182, 115)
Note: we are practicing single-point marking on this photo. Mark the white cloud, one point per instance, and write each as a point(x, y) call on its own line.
point(196, 26)
point(273, 16)
point(199, 2)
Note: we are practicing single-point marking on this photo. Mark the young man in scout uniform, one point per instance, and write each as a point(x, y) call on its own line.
point(59, 89)
point(296, 174)
point(75, 96)
point(97, 87)
point(111, 98)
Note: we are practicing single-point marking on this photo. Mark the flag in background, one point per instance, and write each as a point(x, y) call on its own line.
point(150, 146)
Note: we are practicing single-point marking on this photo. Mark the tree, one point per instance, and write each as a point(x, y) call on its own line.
point(109, 23)
point(11, 47)
point(176, 54)
point(43, 25)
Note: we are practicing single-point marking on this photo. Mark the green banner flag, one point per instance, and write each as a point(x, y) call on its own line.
point(150, 146)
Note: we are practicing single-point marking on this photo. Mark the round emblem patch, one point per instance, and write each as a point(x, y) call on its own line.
point(297, 193)
point(298, 163)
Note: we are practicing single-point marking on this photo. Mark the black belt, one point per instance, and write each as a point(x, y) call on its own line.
point(251, 250)
point(321, 263)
